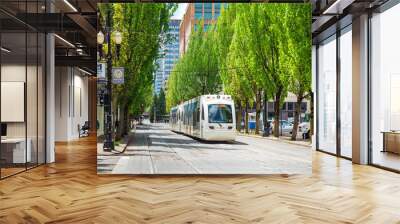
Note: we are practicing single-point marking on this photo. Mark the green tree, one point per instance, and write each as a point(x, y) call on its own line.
point(242, 60)
point(196, 72)
point(269, 44)
point(161, 103)
point(299, 57)
point(144, 28)
point(253, 50)
point(154, 111)
point(224, 33)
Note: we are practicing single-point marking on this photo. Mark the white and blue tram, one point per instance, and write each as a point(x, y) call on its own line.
point(207, 117)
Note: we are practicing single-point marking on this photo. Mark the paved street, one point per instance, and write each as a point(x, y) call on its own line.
point(157, 150)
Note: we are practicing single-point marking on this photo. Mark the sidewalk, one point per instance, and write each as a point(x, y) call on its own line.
point(119, 148)
point(285, 139)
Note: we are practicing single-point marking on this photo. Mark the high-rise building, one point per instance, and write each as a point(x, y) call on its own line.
point(169, 56)
point(195, 13)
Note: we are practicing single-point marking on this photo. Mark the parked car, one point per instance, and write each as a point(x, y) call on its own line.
point(304, 127)
point(303, 130)
point(286, 128)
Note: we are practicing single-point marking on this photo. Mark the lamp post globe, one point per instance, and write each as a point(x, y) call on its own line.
point(117, 37)
point(100, 38)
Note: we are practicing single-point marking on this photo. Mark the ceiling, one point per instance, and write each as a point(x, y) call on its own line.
point(74, 22)
point(330, 15)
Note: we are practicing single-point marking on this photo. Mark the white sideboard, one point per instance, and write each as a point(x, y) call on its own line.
point(19, 155)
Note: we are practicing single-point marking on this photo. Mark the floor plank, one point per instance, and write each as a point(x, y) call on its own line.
point(70, 191)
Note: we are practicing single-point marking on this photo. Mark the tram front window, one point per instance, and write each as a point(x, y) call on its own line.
point(219, 113)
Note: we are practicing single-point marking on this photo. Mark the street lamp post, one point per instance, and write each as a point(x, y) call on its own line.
point(108, 144)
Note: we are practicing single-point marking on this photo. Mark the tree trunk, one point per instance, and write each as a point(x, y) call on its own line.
point(119, 122)
point(277, 111)
point(296, 117)
point(117, 118)
point(246, 123)
point(125, 121)
point(239, 117)
point(258, 111)
point(265, 117)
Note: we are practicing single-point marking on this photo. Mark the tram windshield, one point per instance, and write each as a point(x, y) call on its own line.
point(219, 113)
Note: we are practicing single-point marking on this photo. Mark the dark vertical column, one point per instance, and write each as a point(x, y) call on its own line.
point(369, 96)
point(108, 136)
point(37, 91)
point(316, 109)
point(1, 165)
point(26, 86)
point(338, 76)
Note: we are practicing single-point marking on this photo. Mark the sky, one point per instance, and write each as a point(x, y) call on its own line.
point(180, 11)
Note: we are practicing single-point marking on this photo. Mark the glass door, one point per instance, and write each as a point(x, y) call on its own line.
point(346, 92)
point(327, 95)
point(385, 89)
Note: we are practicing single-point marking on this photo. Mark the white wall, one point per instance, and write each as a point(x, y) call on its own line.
point(71, 103)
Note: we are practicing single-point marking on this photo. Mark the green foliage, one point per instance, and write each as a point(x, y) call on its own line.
point(251, 51)
point(299, 53)
point(144, 28)
point(161, 103)
point(158, 106)
point(196, 72)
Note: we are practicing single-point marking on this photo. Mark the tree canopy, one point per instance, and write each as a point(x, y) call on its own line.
point(144, 29)
point(252, 50)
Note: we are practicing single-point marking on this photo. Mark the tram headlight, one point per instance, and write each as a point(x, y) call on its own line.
point(211, 127)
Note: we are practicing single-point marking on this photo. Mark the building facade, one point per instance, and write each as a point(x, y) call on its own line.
point(288, 109)
point(356, 82)
point(195, 13)
point(169, 56)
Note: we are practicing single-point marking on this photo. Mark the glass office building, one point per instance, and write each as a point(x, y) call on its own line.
point(356, 76)
point(169, 56)
point(195, 13)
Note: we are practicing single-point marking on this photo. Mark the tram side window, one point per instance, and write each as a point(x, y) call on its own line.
point(184, 116)
point(202, 113)
point(198, 114)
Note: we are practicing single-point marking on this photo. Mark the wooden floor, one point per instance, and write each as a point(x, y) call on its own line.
point(387, 159)
point(70, 191)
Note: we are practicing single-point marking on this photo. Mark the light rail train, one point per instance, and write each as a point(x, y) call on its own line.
point(207, 117)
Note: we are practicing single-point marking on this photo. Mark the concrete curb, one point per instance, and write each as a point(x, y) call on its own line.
point(277, 140)
point(118, 149)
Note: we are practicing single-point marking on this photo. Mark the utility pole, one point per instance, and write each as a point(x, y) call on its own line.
point(108, 144)
point(108, 132)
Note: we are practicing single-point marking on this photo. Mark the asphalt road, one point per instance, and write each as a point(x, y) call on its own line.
point(157, 150)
